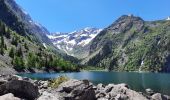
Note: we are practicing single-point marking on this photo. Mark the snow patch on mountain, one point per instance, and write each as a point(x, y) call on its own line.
point(168, 18)
point(72, 42)
point(44, 45)
point(54, 37)
point(85, 42)
point(67, 42)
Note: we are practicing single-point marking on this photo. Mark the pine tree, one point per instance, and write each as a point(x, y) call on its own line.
point(5, 47)
point(19, 52)
point(18, 63)
point(14, 41)
point(11, 52)
point(2, 51)
point(50, 61)
point(26, 46)
point(46, 61)
point(2, 41)
point(3, 29)
point(8, 33)
point(0, 27)
point(2, 45)
point(55, 62)
point(0, 24)
point(31, 60)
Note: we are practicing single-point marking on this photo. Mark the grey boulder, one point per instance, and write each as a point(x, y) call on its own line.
point(20, 88)
point(78, 90)
point(9, 96)
point(158, 96)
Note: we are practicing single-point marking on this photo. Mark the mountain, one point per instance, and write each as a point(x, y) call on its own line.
point(24, 45)
point(20, 21)
point(75, 43)
point(132, 44)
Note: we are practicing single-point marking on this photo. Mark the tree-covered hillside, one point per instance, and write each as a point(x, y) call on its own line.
point(21, 53)
point(24, 44)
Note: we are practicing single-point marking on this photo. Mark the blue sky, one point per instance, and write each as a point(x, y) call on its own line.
point(70, 15)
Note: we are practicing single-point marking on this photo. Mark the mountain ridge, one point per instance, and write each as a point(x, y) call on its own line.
point(24, 46)
point(74, 43)
point(15, 12)
point(128, 43)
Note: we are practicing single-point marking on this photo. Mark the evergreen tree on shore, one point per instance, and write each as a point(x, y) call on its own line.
point(2, 45)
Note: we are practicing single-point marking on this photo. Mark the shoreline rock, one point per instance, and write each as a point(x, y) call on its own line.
point(13, 87)
point(9, 96)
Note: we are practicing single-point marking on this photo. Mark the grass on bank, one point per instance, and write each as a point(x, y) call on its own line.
point(56, 82)
point(92, 68)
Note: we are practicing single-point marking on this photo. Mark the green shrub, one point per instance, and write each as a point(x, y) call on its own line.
point(56, 82)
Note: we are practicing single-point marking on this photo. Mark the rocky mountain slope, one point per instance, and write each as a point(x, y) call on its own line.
point(24, 45)
point(75, 43)
point(132, 44)
point(20, 21)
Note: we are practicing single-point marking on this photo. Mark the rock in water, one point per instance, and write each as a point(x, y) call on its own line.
point(20, 88)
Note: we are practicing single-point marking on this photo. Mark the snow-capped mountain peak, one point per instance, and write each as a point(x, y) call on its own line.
point(168, 18)
point(68, 42)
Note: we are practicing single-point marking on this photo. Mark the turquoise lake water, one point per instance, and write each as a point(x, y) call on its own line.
point(159, 82)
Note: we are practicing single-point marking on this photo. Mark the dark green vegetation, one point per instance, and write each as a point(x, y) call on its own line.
point(131, 44)
point(24, 45)
point(21, 53)
point(93, 68)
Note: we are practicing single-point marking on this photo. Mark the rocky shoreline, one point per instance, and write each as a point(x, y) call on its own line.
point(10, 70)
point(13, 87)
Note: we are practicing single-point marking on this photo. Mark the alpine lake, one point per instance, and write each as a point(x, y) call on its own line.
point(159, 82)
